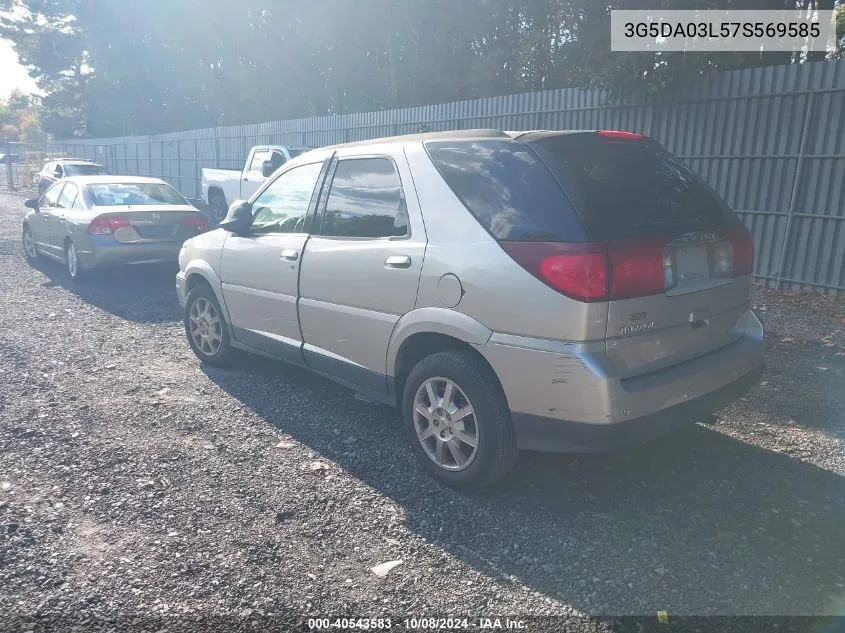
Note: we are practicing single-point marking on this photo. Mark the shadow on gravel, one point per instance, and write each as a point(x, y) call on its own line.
point(143, 294)
point(694, 523)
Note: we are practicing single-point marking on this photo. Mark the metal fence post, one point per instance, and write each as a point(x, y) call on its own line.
point(9, 177)
point(197, 172)
point(805, 133)
point(179, 164)
point(217, 147)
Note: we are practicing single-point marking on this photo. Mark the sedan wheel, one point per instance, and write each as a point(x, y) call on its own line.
point(30, 248)
point(74, 268)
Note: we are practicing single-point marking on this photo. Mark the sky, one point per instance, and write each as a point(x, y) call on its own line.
point(12, 74)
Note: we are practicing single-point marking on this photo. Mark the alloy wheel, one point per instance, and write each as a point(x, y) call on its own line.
point(445, 423)
point(205, 326)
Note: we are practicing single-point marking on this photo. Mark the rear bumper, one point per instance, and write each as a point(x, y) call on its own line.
point(568, 397)
point(547, 434)
point(106, 251)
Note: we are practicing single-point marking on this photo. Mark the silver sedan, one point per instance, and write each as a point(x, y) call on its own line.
point(88, 222)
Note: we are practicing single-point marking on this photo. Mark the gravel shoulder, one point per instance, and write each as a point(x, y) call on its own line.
point(137, 483)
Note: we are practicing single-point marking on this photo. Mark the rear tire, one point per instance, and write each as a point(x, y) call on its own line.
point(75, 271)
point(30, 248)
point(217, 205)
point(472, 410)
point(205, 327)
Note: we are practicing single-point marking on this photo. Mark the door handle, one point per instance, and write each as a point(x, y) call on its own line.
point(398, 261)
point(290, 255)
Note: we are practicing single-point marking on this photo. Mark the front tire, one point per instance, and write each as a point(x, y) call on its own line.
point(205, 327)
point(217, 204)
point(457, 420)
point(30, 248)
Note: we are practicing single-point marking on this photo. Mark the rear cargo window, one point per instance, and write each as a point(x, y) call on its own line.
point(624, 189)
point(508, 190)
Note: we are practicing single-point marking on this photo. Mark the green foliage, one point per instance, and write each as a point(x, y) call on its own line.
point(19, 118)
point(112, 68)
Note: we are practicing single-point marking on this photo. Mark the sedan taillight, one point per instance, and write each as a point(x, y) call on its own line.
point(197, 222)
point(106, 226)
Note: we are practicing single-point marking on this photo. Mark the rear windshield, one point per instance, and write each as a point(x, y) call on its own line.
point(135, 194)
point(83, 170)
point(625, 188)
point(508, 190)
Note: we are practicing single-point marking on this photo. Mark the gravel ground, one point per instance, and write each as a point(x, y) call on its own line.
point(136, 484)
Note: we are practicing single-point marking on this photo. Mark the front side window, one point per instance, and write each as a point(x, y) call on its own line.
point(68, 197)
point(365, 200)
point(51, 198)
point(283, 205)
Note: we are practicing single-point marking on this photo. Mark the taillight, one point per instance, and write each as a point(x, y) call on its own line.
point(578, 270)
point(197, 222)
point(637, 268)
point(743, 247)
point(105, 226)
point(592, 272)
point(722, 258)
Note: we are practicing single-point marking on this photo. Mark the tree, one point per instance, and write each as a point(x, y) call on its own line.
point(145, 66)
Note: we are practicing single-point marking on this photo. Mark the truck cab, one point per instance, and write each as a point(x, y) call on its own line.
point(221, 187)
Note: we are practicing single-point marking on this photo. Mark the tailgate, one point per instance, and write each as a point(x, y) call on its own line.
point(680, 261)
point(651, 333)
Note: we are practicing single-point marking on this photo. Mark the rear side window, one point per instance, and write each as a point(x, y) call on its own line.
point(627, 189)
point(508, 190)
point(365, 200)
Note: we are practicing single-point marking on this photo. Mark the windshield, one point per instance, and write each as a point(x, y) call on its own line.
point(135, 194)
point(84, 170)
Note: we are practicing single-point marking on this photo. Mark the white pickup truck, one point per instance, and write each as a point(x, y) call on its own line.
point(221, 187)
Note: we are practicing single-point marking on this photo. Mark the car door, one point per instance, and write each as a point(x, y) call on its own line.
point(62, 214)
point(253, 176)
point(361, 267)
point(260, 269)
point(42, 229)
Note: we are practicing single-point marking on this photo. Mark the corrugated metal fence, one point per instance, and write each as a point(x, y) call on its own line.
point(770, 140)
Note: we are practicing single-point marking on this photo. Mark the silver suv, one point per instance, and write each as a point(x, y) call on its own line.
point(558, 291)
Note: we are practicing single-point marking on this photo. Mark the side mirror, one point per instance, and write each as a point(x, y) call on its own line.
point(32, 203)
point(267, 168)
point(58, 172)
point(239, 217)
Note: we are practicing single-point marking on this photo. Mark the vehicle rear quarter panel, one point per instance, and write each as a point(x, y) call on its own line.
point(498, 293)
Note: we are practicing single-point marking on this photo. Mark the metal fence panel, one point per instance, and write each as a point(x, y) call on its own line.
point(770, 140)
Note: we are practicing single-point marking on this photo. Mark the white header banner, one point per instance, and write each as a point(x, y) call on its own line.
point(714, 30)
